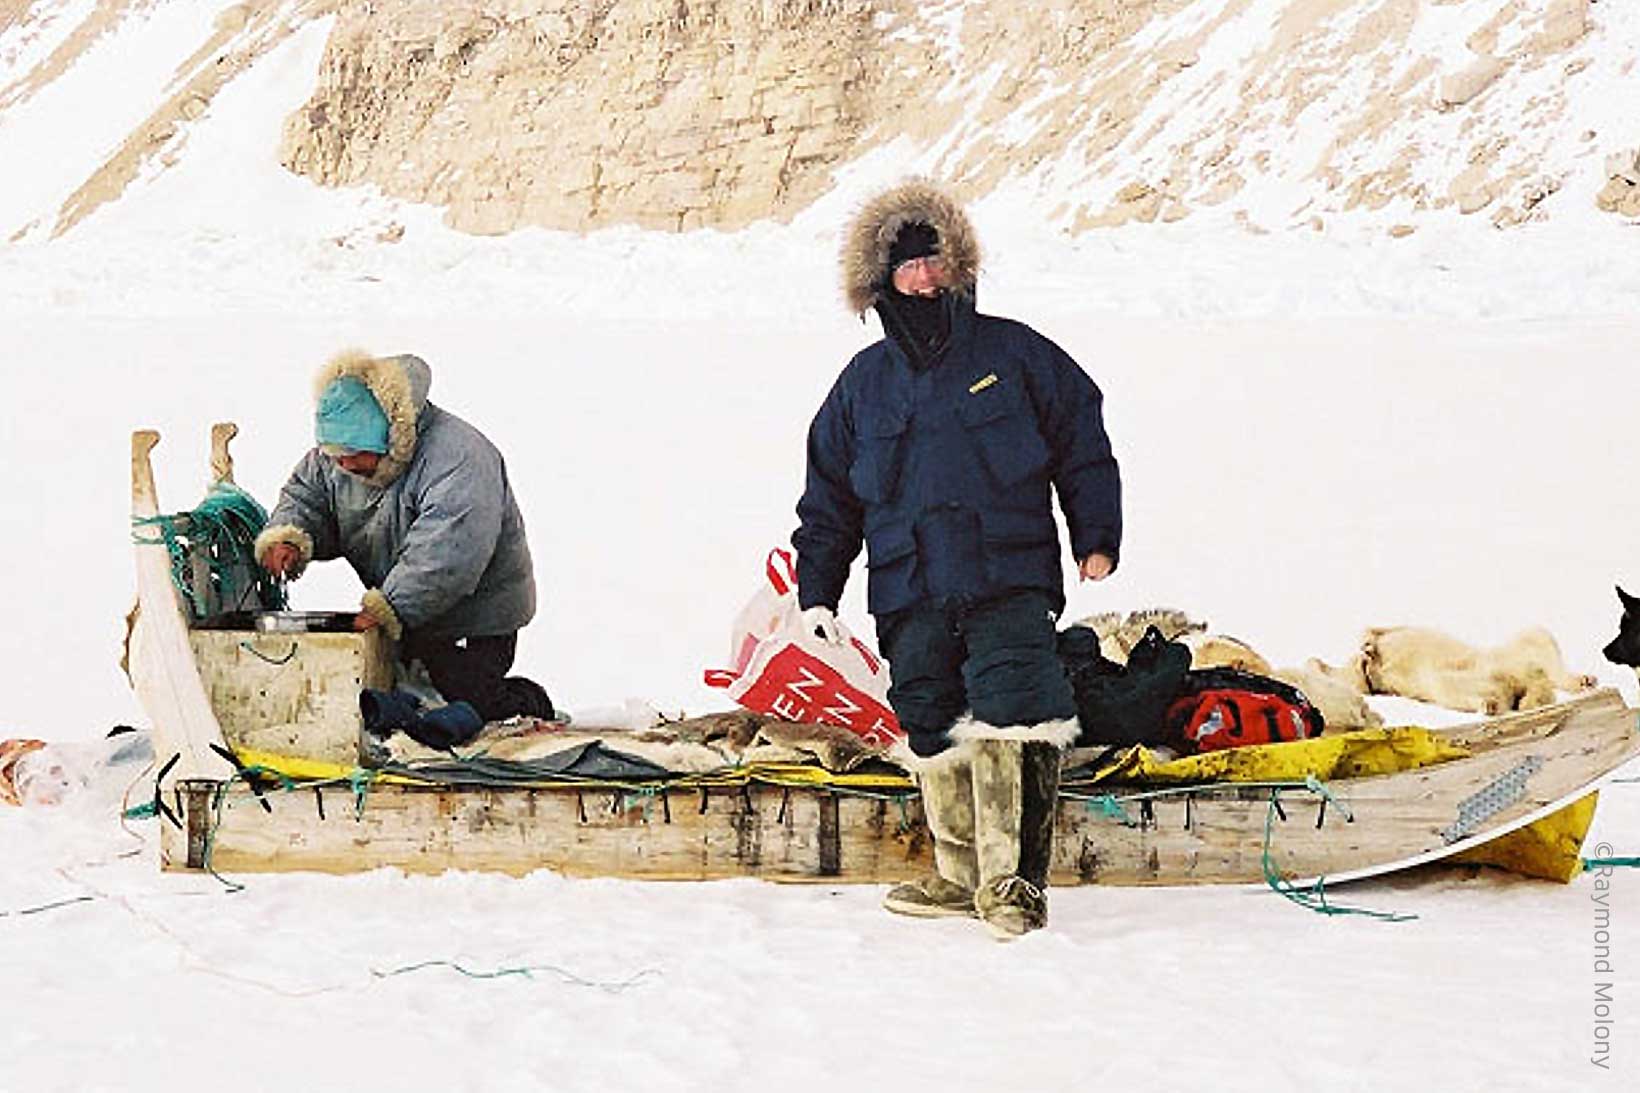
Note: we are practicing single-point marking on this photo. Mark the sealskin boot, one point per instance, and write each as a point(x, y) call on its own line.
point(947, 788)
point(1040, 808)
point(1009, 904)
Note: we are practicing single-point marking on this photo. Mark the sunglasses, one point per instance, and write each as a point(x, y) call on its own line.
point(934, 263)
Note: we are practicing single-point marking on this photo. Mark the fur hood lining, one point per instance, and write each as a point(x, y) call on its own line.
point(389, 383)
point(871, 233)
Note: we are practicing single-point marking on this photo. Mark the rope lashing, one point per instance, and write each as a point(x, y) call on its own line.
point(1109, 807)
point(265, 659)
point(360, 780)
point(53, 906)
point(223, 531)
point(1313, 898)
point(645, 794)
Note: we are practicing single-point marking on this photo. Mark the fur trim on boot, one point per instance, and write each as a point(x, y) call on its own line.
point(1061, 733)
point(946, 782)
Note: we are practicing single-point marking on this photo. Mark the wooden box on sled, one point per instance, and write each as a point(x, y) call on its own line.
point(292, 693)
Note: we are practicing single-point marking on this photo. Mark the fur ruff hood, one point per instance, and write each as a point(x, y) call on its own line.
point(871, 233)
point(400, 384)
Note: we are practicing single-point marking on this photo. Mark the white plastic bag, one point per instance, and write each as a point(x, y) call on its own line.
point(778, 668)
point(41, 774)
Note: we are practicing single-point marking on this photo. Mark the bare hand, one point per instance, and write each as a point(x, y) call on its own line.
point(1096, 567)
point(364, 620)
point(281, 559)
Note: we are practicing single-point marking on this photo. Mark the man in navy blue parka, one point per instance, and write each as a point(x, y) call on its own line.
point(939, 448)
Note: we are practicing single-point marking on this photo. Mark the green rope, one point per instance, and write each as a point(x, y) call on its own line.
point(647, 793)
point(1313, 784)
point(55, 905)
point(360, 779)
point(1110, 808)
point(144, 811)
point(525, 971)
point(265, 659)
point(1610, 863)
point(223, 530)
point(210, 835)
point(1313, 898)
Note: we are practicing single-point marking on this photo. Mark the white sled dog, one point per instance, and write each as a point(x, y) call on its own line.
point(1415, 662)
point(1342, 708)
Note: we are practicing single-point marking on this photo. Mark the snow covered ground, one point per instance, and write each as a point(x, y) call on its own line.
point(1317, 434)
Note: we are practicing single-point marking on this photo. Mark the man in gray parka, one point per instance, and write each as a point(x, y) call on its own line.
point(417, 501)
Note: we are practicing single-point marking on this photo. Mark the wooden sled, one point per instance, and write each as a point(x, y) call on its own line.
point(1521, 769)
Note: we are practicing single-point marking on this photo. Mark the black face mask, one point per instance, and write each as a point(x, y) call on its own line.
point(919, 325)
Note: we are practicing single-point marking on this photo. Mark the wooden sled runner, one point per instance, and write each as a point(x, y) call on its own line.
point(1521, 770)
point(789, 825)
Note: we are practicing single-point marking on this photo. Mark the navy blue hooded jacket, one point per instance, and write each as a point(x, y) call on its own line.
point(944, 468)
point(945, 471)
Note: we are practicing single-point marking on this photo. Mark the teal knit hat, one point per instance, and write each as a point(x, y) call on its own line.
point(349, 417)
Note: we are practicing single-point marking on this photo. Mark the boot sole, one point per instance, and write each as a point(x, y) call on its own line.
point(1007, 924)
point(926, 910)
point(1007, 932)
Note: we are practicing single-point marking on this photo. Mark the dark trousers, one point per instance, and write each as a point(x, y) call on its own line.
point(475, 670)
point(998, 658)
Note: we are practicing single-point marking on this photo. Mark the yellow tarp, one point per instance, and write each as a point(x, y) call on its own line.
point(1552, 848)
point(1348, 755)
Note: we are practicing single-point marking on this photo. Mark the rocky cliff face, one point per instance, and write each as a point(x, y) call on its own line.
point(682, 114)
point(581, 113)
point(664, 113)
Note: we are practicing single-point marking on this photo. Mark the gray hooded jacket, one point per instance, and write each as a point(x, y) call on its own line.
point(434, 533)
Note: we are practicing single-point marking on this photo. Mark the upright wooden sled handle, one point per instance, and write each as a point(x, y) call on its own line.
point(221, 459)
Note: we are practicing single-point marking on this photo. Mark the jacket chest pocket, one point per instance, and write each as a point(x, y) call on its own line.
point(879, 450)
point(1004, 430)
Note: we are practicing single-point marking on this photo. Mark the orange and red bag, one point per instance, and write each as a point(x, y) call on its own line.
point(1226, 708)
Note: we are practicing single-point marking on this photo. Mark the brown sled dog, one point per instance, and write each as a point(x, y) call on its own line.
point(1415, 662)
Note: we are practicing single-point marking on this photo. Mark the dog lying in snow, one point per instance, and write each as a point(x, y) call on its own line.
point(1625, 647)
point(1342, 709)
point(1415, 662)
